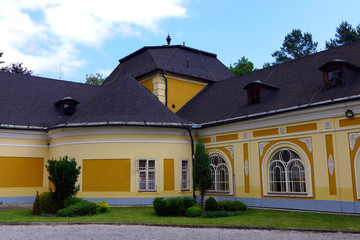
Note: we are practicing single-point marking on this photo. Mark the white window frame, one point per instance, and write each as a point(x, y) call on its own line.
point(287, 184)
point(216, 174)
point(185, 171)
point(146, 171)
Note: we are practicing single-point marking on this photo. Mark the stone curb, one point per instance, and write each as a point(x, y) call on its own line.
point(181, 226)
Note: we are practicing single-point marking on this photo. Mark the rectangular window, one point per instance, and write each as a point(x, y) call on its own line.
point(147, 175)
point(185, 176)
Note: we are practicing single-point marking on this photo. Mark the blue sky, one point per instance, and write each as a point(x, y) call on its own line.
point(69, 39)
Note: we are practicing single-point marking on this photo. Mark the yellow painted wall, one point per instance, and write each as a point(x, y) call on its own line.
point(148, 84)
point(86, 148)
point(101, 175)
point(21, 172)
point(169, 175)
point(180, 92)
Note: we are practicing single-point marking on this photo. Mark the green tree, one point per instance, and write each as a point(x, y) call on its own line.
point(295, 45)
point(345, 34)
point(267, 64)
point(201, 170)
point(16, 68)
point(64, 174)
point(95, 79)
point(242, 66)
point(0, 57)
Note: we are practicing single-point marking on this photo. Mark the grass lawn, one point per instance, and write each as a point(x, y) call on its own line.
point(250, 218)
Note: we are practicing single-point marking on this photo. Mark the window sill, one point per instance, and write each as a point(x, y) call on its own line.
point(285, 194)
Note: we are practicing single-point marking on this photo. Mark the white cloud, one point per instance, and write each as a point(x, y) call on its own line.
point(44, 34)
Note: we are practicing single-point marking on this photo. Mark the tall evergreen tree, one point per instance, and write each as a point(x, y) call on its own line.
point(345, 34)
point(295, 45)
point(201, 170)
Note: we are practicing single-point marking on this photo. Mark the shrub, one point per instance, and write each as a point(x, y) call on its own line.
point(211, 204)
point(47, 203)
point(79, 209)
point(194, 212)
point(160, 206)
point(218, 214)
point(232, 206)
point(36, 205)
point(64, 174)
point(102, 207)
point(175, 207)
point(72, 201)
point(172, 206)
point(188, 202)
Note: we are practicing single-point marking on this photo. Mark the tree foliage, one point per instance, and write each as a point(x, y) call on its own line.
point(95, 79)
point(1, 53)
point(64, 174)
point(201, 170)
point(242, 66)
point(295, 45)
point(345, 34)
point(16, 68)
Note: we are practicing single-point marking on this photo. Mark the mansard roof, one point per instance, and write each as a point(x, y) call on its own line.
point(300, 84)
point(175, 59)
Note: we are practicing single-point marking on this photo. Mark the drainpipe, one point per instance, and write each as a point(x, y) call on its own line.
point(192, 158)
point(166, 87)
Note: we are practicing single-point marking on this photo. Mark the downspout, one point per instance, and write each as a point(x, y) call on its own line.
point(192, 158)
point(166, 87)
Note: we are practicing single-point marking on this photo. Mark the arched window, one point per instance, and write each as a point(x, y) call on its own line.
point(287, 172)
point(219, 173)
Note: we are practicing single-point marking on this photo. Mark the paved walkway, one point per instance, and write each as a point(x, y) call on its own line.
point(98, 231)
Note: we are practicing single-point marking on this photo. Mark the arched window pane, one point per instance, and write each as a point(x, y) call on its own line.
point(287, 172)
point(219, 173)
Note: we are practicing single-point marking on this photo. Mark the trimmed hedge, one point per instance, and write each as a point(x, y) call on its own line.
point(232, 206)
point(172, 206)
point(82, 208)
point(194, 212)
point(211, 204)
point(47, 203)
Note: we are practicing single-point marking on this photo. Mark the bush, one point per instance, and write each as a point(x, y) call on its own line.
point(64, 174)
point(36, 205)
point(47, 203)
point(232, 206)
point(72, 201)
point(188, 202)
point(159, 206)
point(211, 204)
point(194, 212)
point(175, 207)
point(79, 209)
point(172, 206)
point(102, 207)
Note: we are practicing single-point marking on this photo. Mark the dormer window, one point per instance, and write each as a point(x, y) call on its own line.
point(258, 91)
point(254, 94)
point(334, 77)
point(334, 72)
point(67, 106)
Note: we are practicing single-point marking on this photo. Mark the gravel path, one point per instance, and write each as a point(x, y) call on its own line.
point(98, 231)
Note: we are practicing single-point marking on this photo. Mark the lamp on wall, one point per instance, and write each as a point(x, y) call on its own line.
point(349, 113)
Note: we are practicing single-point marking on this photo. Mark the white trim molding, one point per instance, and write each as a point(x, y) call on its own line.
point(307, 141)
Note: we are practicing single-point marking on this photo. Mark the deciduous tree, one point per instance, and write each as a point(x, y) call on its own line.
point(242, 66)
point(16, 68)
point(94, 79)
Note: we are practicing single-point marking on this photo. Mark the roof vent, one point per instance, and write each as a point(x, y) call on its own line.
point(168, 39)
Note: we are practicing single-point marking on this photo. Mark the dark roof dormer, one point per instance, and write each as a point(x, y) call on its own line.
point(335, 72)
point(258, 91)
point(67, 106)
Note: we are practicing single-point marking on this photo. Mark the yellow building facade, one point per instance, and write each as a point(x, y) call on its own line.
point(287, 136)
